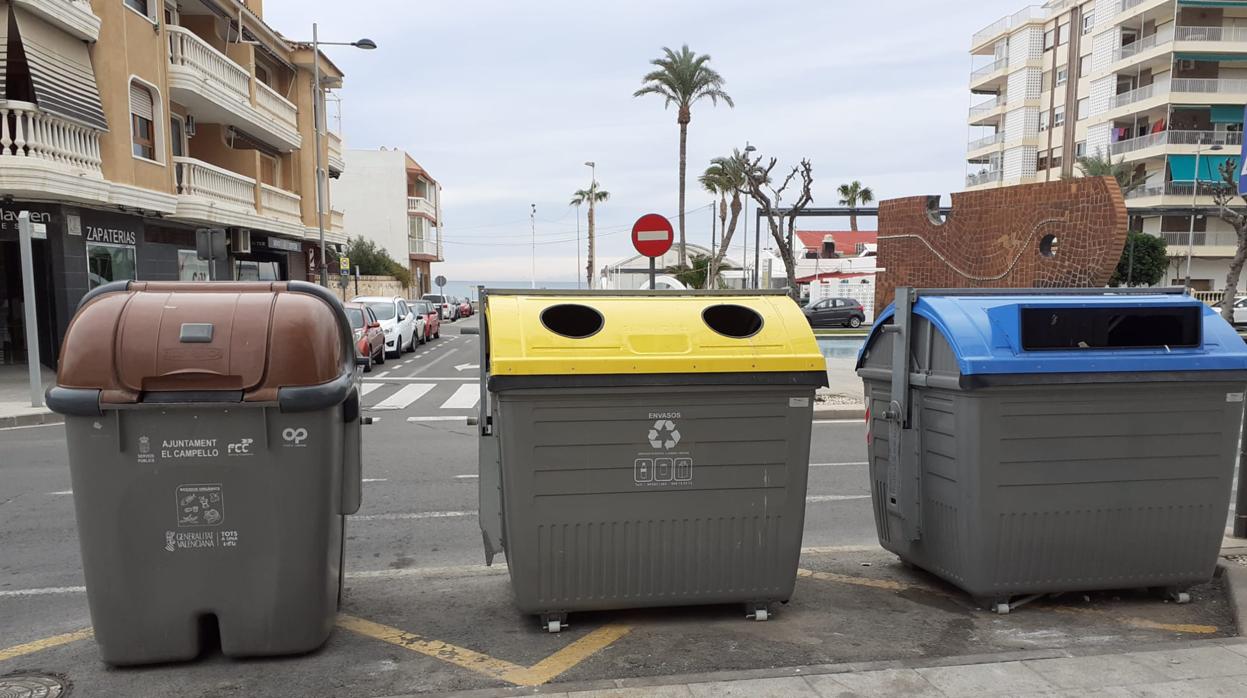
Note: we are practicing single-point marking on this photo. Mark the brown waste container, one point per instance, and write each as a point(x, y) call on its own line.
point(214, 448)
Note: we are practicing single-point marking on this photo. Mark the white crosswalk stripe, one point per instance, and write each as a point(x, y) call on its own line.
point(465, 398)
point(368, 388)
point(404, 397)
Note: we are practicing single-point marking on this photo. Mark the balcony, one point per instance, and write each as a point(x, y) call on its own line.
point(218, 90)
point(987, 112)
point(990, 77)
point(74, 17)
point(1033, 13)
point(419, 204)
point(1212, 35)
point(336, 162)
point(423, 248)
point(1135, 148)
point(216, 195)
point(1212, 90)
point(985, 177)
point(1161, 38)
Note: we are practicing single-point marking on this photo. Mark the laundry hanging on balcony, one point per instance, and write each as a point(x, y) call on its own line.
point(55, 67)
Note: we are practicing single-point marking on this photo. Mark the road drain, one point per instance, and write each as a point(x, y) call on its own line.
point(32, 686)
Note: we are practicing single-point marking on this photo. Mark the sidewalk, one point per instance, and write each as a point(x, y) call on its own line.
point(15, 409)
point(1201, 668)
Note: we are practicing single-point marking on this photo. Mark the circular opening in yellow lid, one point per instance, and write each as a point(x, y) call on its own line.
point(572, 320)
point(735, 321)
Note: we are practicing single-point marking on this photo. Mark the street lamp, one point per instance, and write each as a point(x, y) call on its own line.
point(1190, 239)
point(532, 221)
point(593, 190)
point(318, 114)
point(757, 229)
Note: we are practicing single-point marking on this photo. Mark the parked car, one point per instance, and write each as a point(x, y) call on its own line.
point(835, 312)
point(369, 337)
point(1240, 310)
point(432, 318)
point(403, 328)
point(442, 302)
point(465, 308)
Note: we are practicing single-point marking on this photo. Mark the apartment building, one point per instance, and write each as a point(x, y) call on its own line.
point(393, 201)
point(1157, 83)
point(127, 124)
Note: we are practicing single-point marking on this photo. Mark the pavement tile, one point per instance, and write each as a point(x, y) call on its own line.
point(1004, 678)
point(1094, 672)
point(1194, 663)
point(680, 691)
point(1110, 692)
point(1195, 688)
point(888, 682)
point(787, 687)
point(1238, 648)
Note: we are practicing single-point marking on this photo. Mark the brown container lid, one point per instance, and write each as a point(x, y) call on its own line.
point(161, 337)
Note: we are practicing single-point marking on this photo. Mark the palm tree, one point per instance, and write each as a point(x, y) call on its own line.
point(725, 175)
point(851, 195)
point(682, 79)
point(695, 274)
point(591, 196)
point(1099, 165)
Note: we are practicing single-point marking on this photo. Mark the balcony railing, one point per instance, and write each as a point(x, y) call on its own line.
point(336, 162)
point(1133, 144)
point(1176, 189)
point(276, 106)
point(29, 133)
point(190, 51)
point(1140, 93)
point(987, 177)
point(1148, 42)
point(987, 141)
point(1210, 85)
point(337, 221)
point(1212, 34)
point(1003, 24)
point(984, 108)
point(988, 69)
point(1127, 4)
point(198, 178)
point(419, 204)
point(423, 246)
point(1176, 138)
point(280, 203)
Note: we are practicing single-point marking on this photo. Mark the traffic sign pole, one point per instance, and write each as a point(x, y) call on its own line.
point(653, 274)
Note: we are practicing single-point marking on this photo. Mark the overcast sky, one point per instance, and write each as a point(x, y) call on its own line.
point(502, 101)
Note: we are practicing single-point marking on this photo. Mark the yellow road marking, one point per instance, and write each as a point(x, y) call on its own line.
point(44, 644)
point(536, 675)
point(890, 585)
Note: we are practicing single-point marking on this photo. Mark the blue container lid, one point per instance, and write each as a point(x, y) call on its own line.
point(985, 333)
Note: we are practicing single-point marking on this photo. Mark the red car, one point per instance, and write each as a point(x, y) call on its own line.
point(369, 338)
point(465, 308)
point(432, 318)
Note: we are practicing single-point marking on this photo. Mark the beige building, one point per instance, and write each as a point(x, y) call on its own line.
point(1150, 82)
point(127, 124)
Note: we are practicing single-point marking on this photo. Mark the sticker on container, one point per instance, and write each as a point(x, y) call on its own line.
point(1233, 397)
point(200, 540)
point(798, 402)
point(667, 462)
point(200, 505)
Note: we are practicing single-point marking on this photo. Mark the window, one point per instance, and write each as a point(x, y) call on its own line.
point(177, 136)
point(1063, 35)
point(171, 12)
point(107, 263)
point(139, 6)
point(262, 74)
point(1062, 76)
point(1080, 149)
point(142, 121)
point(1055, 161)
point(270, 172)
point(1058, 116)
point(1084, 66)
point(1049, 39)
point(1043, 121)
point(1041, 161)
point(1088, 22)
point(1082, 107)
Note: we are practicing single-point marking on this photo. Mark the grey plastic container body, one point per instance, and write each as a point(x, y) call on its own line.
point(232, 511)
point(1068, 486)
point(595, 517)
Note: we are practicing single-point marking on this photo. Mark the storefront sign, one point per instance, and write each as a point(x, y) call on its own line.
point(284, 245)
point(8, 217)
point(111, 236)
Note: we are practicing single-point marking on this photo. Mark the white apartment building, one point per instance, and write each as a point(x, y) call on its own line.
point(393, 201)
point(1152, 82)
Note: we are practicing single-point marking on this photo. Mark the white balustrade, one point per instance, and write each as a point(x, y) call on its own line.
point(190, 51)
point(276, 106)
point(1210, 85)
point(419, 204)
point(279, 202)
point(28, 132)
point(198, 178)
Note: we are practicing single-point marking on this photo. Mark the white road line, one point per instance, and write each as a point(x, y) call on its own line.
point(368, 388)
point(61, 492)
point(375, 479)
point(832, 549)
point(498, 568)
point(61, 424)
point(404, 397)
point(460, 418)
point(465, 398)
point(383, 374)
point(828, 465)
point(42, 592)
point(401, 379)
point(466, 477)
point(834, 498)
point(839, 421)
point(414, 515)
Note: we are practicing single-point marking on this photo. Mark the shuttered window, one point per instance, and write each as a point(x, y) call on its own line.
point(142, 121)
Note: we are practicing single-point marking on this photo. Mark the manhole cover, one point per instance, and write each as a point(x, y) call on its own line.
point(31, 687)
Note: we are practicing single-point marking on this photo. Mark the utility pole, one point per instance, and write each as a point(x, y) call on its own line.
point(532, 221)
point(26, 231)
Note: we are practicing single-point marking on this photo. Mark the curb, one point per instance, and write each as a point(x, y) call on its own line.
point(1235, 577)
point(840, 412)
point(31, 420)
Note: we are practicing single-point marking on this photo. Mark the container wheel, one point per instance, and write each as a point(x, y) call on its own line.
point(1001, 608)
point(553, 622)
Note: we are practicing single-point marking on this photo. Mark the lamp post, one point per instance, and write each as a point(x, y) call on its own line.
point(532, 221)
point(593, 192)
point(318, 115)
point(1190, 239)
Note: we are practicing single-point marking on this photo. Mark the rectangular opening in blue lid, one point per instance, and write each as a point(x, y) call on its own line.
point(1065, 329)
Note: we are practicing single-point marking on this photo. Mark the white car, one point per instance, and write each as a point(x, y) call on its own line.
point(1240, 310)
point(403, 328)
point(450, 312)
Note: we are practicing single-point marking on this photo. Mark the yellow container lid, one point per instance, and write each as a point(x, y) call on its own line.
point(603, 332)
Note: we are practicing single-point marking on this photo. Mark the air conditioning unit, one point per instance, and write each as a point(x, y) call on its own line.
point(190, 125)
point(240, 243)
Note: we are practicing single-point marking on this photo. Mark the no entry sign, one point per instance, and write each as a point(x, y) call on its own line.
point(652, 235)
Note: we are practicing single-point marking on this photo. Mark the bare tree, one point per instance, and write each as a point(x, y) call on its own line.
point(762, 188)
point(1223, 193)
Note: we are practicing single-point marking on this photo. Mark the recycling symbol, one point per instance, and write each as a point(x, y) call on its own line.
point(664, 435)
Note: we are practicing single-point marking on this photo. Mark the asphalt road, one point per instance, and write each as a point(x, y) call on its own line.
point(420, 604)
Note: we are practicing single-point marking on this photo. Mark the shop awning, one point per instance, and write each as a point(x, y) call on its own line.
point(1182, 167)
point(1227, 114)
point(60, 71)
